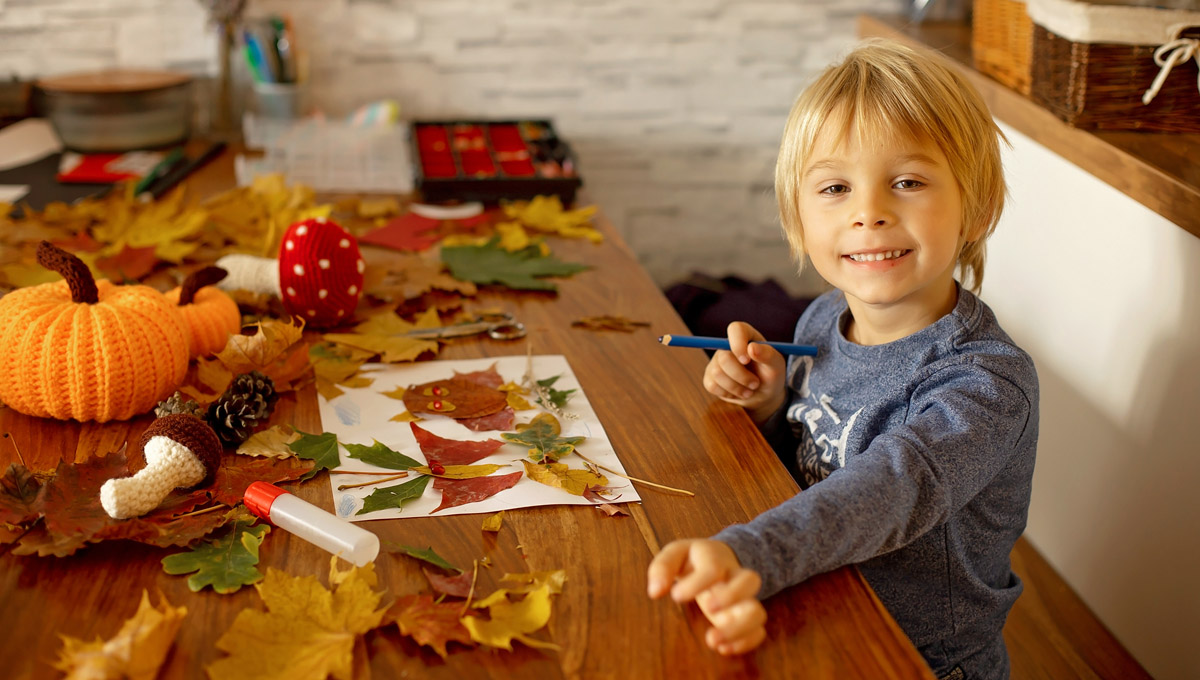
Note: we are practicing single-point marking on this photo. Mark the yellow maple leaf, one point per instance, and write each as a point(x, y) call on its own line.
point(245, 353)
point(270, 443)
point(384, 334)
point(559, 476)
point(546, 214)
point(136, 652)
point(334, 366)
point(512, 621)
point(493, 522)
point(306, 632)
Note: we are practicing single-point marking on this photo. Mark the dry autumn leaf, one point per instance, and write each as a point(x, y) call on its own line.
point(493, 522)
point(608, 322)
point(429, 623)
point(546, 214)
point(512, 621)
point(384, 334)
point(306, 631)
point(270, 443)
point(136, 652)
point(559, 476)
point(259, 352)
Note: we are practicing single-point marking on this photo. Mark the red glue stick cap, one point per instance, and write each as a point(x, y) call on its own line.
point(260, 496)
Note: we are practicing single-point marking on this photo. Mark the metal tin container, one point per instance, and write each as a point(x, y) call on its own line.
point(118, 110)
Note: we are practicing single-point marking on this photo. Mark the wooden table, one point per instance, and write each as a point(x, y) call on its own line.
point(663, 426)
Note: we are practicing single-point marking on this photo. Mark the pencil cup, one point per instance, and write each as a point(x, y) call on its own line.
point(279, 100)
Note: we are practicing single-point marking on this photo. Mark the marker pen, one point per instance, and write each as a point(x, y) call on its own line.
point(322, 529)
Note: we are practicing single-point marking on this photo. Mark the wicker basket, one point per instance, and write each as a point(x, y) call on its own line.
point(1094, 65)
point(1002, 40)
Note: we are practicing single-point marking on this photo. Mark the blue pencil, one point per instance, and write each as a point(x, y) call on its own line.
point(698, 342)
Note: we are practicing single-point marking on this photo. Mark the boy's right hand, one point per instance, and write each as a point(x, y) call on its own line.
point(751, 374)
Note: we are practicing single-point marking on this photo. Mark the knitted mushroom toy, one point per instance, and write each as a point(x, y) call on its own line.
point(319, 273)
point(181, 451)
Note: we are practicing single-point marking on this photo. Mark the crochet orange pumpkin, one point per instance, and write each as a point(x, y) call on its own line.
point(87, 350)
point(209, 315)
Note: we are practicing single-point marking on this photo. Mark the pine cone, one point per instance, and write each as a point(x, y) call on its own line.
point(177, 403)
point(255, 383)
point(234, 416)
point(248, 401)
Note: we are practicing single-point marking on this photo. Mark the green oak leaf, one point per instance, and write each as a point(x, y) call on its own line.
point(226, 563)
point(558, 398)
point(380, 455)
point(519, 270)
point(541, 436)
point(319, 448)
point(394, 496)
point(426, 555)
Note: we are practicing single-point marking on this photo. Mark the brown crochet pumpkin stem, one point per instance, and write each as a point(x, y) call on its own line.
point(197, 280)
point(79, 277)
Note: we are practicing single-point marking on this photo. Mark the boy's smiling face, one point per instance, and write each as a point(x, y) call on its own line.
point(882, 222)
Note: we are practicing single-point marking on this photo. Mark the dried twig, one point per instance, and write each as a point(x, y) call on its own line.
point(200, 511)
point(634, 479)
point(343, 487)
point(8, 435)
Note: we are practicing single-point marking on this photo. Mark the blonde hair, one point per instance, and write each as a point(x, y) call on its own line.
point(888, 91)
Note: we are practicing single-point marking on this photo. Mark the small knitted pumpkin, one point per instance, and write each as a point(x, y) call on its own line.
point(87, 350)
point(209, 314)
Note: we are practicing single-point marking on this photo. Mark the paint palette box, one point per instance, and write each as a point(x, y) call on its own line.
point(462, 160)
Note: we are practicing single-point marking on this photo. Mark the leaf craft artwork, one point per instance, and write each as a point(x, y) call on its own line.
point(137, 651)
point(525, 269)
point(560, 476)
point(226, 564)
point(555, 400)
point(541, 436)
point(452, 469)
point(306, 630)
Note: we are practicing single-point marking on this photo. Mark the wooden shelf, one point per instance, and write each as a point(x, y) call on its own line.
point(1160, 171)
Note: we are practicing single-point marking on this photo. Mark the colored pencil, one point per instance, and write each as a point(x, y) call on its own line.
point(700, 342)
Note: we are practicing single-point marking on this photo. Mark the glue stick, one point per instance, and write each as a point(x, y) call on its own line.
point(307, 521)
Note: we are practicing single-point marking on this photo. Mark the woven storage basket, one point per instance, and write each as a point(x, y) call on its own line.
point(1002, 40)
point(1094, 62)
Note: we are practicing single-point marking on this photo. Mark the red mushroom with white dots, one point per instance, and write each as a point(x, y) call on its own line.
point(318, 276)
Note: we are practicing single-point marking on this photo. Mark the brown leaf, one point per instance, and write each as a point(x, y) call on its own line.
point(609, 323)
point(18, 490)
point(258, 352)
point(238, 472)
point(270, 443)
point(431, 624)
point(454, 398)
point(398, 278)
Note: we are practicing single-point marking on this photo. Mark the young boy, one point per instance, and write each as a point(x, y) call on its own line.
point(913, 431)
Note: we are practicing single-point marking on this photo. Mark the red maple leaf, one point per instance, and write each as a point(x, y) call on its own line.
point(457, 492)
point(410, 232)
point(238, 472)
point(503, 419)
point(432, 624)
point(488, 377)
point(452, 451)
point(458, 585)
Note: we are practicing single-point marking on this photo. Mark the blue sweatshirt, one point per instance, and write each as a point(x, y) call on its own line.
point(916, 460)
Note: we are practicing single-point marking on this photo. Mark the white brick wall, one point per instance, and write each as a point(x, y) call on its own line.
point(673, 106)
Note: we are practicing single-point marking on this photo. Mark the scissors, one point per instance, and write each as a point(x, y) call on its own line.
point(498, 326)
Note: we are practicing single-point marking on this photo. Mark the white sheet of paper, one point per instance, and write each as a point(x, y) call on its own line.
point(363, 415)
point(26, 141)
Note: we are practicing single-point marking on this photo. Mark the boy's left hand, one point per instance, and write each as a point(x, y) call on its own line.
point(708, 572)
